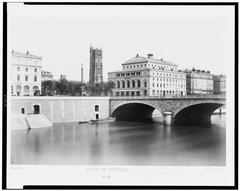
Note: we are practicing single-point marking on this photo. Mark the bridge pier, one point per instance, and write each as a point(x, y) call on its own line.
point(167, 118)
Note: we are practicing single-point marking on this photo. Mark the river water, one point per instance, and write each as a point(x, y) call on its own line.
point(121, 143)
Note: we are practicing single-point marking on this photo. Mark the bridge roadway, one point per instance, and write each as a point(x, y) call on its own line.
point(177, 110)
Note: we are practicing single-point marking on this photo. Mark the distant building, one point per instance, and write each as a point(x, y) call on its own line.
point(219, 84)
point(25, 74)
point(62, 76)
point(148, 76)
point(46, 75)
point(199, 82)
point(96, 68)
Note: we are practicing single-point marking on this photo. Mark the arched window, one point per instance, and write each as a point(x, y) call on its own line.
point(128, 84)
point(118, 84)
point(164, 93)
point(133, 84)
point(96, 107)
point(158, 92)
point(26, 90)
point(139, 83)
point(35, 90)
point(145, 93)
point(123, 84)
point(153, 92)
point(18, 90)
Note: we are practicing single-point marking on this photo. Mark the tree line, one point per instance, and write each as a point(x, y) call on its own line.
point(63, 87)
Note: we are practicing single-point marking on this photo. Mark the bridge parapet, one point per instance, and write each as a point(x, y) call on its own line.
point(170, 97)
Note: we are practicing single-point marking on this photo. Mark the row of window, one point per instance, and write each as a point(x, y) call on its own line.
point(169, 80)
point(168, 75)
point(137, 84)
point(133, 84)
point(168, 85)
point(25, 91)
point(130, 93)
point(129, 74)
point(36, 109)
point(164, 93)
point(154, 93)
point(26, 78)
point(150, 65)
point(156, 73)
point(26, 69)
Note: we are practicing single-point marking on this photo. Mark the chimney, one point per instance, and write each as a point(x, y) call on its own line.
point(150, 55)
point(137, 55)
point(82, 74)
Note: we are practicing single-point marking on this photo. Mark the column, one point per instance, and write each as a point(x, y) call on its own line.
point(167, 118)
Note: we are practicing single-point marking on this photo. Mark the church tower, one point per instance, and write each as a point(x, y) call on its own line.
point(95, 71)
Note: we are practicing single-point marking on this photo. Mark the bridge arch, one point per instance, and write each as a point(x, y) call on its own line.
point(185, 110)
point(134, 111)
point(198, 113)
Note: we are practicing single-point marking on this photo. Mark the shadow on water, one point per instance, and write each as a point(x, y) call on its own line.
point(121, 143)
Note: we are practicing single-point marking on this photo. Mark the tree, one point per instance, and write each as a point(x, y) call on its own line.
point(48, 87)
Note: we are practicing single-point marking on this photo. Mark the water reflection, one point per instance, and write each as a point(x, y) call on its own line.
point(121, 143)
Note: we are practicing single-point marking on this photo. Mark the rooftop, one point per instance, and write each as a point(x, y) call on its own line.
point(197, 71)
point(149, 59)
point(26, 55)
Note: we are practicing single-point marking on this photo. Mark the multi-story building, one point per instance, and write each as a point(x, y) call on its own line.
point(148, 76)
point(46, 75)
point(95, 72)
point(219, 84)
point(25, 74)
point(199, 82)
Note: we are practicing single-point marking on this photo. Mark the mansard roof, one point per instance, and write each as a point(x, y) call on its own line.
point(140, 59)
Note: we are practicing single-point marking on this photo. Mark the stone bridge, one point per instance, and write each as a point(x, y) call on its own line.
point(178, 110)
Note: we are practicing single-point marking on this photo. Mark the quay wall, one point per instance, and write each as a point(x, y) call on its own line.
point(62, 109)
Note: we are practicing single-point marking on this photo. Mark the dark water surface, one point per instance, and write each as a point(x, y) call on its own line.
point(121, 143)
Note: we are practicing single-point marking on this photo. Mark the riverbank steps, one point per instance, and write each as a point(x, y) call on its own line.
point(57, 109)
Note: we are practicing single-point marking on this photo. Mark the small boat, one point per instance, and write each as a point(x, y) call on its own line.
point(110, 119)
point(94, 121)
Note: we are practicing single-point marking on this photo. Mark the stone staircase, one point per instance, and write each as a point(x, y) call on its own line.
point(30, 121)
point(37, 121)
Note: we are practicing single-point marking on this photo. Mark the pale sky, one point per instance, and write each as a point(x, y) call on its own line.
point(189, 36)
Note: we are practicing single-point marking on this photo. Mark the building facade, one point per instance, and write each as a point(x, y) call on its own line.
point(199, 82)
point(25, 74)
point(148, 76)
point(219, 84)
point(46, 75)
point(96, 67)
